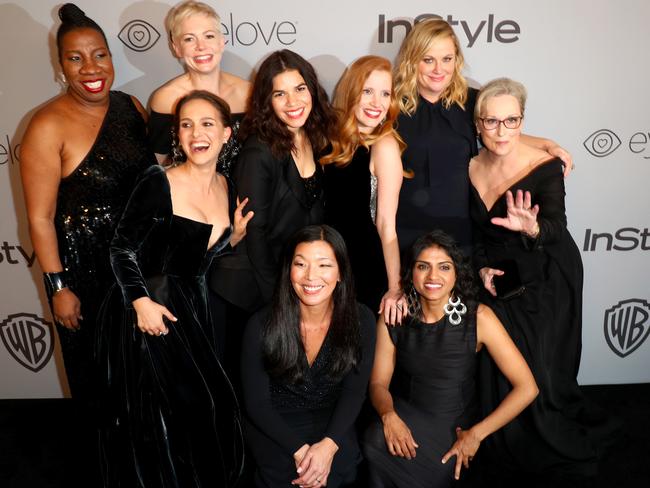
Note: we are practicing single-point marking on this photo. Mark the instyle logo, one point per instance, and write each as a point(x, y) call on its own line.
point(604, 142)
point(488, 30)
point(249, 32)
point(16, 254)
point(29, 339)
point(623, 239)
point(627, 325)
point(8, 153)
point(139, 35)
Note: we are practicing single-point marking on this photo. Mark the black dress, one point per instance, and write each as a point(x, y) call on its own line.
point(545, 322)
point(433, 389)
point(439, 145)
point(169, 414)
point(89, 204)
point(282, 417)
point(348, 209)
point(161, 137)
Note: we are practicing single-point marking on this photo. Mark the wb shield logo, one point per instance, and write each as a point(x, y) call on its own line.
point(627, 325)
point(28, 338)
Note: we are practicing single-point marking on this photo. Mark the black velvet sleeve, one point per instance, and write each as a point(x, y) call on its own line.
point(257, 394)
point(257, 172)
point(355, 383)
point(144, 211)
point(160, 132)
point(549, 194)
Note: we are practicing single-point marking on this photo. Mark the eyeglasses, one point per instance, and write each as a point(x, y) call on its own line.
point(490, 123)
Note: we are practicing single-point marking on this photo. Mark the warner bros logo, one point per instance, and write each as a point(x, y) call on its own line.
point(627, 325)
point(29, 339)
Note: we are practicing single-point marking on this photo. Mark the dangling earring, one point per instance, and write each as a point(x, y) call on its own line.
point(178, 156)
point(413, 302)
point(62, 80)
point(455, 309)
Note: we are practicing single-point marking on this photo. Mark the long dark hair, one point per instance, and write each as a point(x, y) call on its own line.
point(465, 287)
point(73, 18)
point(282, 346)
point(260, 119)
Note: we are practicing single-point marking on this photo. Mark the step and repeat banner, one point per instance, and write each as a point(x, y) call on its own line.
point(584, 63)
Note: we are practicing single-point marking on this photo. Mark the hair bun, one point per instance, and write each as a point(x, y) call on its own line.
point(69, 12)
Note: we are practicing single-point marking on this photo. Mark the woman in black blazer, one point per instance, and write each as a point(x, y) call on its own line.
point(286, 128)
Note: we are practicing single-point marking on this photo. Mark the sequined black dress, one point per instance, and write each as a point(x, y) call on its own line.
point(89, 204)
point(169, 414)
point(433, 389)
point(282, 417)
point(348, 205)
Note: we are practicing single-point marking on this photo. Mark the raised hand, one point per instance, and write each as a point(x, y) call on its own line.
point(521, 215)
point(241, 221)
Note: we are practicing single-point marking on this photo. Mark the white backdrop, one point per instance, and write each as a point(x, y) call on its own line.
point(583, 62)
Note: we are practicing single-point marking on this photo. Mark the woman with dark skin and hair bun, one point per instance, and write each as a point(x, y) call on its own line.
point(80, 157)
point(305, 366)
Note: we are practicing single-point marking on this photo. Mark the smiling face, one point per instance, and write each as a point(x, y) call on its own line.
point(314, 273)
point(500, 141)
point(201, 132)
point(199, 43)
point(436, 69)
point(434, 275)
point(291, 99)
point(87, 65)
point(375, 101)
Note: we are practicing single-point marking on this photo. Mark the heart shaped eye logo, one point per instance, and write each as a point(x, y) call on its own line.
point(602, 143)
point(139, 35)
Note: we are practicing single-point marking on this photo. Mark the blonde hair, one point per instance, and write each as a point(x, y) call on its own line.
point(415, 45)
point(495, 88)
point(181, 11)
point(346, 99)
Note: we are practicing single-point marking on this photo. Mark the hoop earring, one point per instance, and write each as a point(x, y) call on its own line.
point(454, 310)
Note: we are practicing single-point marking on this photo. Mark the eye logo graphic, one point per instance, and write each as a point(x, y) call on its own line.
point(29, 340)
point(602, 143)
point(139, 35)
point(627, 325)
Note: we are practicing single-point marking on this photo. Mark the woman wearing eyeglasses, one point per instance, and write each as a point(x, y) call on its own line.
point(530, 264)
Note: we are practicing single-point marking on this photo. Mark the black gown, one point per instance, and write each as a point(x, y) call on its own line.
point(282, 417)
point(439, 145)
point(89, 204)
point(347, 209)
point(169, 414)
point(433, 389)
point(554, 434)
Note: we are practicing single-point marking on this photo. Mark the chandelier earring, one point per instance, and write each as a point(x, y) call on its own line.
point(413, 302)
point(178, 156)
point(454, 310)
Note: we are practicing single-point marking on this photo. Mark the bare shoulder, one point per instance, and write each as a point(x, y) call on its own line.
point(236, 91)
point(47, 121)
point(165, 97)
point(387, 143)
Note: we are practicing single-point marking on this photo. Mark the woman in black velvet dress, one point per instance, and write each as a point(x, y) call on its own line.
point(436, 123)
point(305, 366)
point(363, 176)
point(526, 252)
point(430, 413)
point(169, 416)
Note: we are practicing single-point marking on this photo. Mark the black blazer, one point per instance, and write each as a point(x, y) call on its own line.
point(278, 196)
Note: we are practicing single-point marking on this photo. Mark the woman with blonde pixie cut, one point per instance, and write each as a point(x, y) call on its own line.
point(436, 123)
point(363, 176)
point(194, 30)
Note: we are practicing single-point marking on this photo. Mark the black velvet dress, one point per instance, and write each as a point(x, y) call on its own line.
point(348, 209)
point(89, 204)
point(282, 416)
point(439, 145)
point(169, 414)
point(433, 389)
point(557, 432)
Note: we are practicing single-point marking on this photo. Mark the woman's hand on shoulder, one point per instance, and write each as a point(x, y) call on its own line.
point(150, 316)
point(521, 214)
point(393, 307)
point(399, 439)
point(316, 463)
point(240, 222)
point(565, 156)
point(465, 447)
point(67, 309)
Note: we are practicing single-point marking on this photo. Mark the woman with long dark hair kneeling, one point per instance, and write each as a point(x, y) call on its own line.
point(305, 366)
